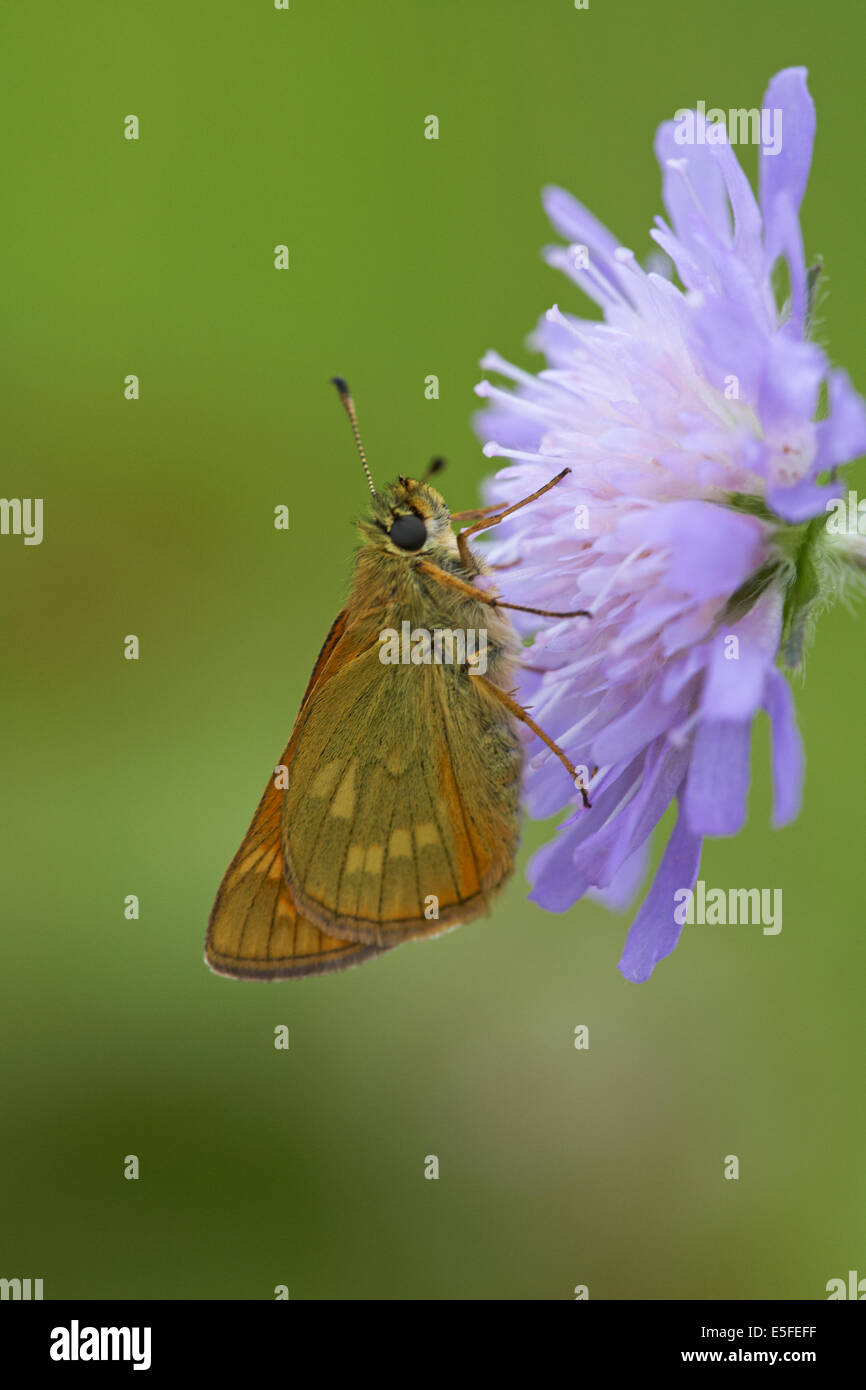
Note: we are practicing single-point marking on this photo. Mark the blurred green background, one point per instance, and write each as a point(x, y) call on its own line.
point(408, 257)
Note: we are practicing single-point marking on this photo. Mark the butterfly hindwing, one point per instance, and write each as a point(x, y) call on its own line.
point(380, 819)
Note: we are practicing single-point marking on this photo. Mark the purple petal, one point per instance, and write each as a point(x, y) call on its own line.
point(687, 265)
point(557, 886)
point(718, 782)
point(715, 549)
point(747, 214)
point(641, 723)
point(787, 172)
point(712, 548)
point(786, 239)
point(655, 932)
point(600, 858)
point(727, 333)
point(803, 500)
point(507, 427)
point(734, 687)
point(693, 186)
point(572, 220)
point(842, 435)
point(789, 388)
point(788, 757)
point(840, 438)
point(575, 222)
point(625, 885)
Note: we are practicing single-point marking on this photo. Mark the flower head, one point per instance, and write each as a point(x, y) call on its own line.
point(691, 524)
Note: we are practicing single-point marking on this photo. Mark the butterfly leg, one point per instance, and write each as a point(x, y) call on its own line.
point(482, 525)
point(453, 581)
point(520, 713)
point(474, 513)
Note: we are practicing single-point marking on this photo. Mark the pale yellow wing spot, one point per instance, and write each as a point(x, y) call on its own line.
point(396, 762)
point(325, 779)
point(343, 804)
point(249, 862)
point(426, 834)
point(355, 859)
point(400, 845)
point(373, 859)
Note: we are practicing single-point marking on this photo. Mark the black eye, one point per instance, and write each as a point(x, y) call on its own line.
point(409, 532)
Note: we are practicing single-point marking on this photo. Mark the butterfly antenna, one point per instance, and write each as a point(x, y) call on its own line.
point(346, 397)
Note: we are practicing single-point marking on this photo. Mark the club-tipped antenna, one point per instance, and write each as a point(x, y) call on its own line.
point(349, 405)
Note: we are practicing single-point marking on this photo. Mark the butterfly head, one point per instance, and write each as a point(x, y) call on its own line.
point(408, 517)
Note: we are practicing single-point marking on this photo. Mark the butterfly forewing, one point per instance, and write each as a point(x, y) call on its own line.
point(255, 931)
point(380, 818)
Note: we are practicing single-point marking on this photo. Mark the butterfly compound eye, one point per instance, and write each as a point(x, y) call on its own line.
point(409, 532)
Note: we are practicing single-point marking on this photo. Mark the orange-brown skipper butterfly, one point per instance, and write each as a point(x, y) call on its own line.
point(393, 812)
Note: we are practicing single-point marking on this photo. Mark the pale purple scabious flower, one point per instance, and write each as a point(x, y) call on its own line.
point(691, 525)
